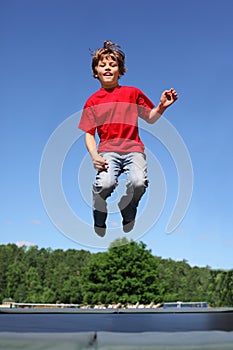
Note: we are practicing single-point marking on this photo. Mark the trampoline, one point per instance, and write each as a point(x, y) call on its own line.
point(121, 329)
point(115, 320)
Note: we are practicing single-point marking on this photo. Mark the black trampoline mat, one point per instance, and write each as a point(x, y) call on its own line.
point(121, 320)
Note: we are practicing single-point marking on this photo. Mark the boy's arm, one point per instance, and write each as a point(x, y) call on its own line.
point(99, 162)
point(167, 98)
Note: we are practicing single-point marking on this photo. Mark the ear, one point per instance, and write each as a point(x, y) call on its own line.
point(95, 74)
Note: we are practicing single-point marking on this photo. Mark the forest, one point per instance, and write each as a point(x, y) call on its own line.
point(126, 273)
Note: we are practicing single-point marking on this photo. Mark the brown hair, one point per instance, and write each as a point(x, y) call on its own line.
point(111, 50)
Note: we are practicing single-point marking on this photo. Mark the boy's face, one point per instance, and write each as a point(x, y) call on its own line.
point(108, 72)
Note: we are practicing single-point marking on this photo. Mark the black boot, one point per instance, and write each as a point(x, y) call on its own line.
point(128, 214)
point(99, 222)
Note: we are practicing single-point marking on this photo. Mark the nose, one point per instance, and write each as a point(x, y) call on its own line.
point(107, 67)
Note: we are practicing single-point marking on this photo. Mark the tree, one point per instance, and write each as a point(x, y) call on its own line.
point(71, 291)
point(48, 296)
point(15, 281)
point(127, 273)
point(10, 255)
point(33, 285)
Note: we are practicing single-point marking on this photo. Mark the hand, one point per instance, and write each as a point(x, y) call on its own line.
point(100, 163)
point(168, 97)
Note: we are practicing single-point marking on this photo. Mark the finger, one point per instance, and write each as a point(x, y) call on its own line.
point(99, 167)
point(174, 93)
point(101, 161)
point(168, 95)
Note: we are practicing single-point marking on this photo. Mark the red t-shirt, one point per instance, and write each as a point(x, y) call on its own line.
point(114, 113)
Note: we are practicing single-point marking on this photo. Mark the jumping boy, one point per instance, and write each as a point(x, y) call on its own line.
point(113, 111)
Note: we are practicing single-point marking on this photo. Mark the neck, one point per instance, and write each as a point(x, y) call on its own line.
point(109, 86)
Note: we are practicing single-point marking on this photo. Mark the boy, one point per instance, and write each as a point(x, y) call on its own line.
point(113, 111)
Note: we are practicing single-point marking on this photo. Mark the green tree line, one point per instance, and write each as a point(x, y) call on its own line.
point(126, 273)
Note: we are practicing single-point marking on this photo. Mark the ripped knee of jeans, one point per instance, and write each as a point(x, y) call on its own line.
point(102, 191)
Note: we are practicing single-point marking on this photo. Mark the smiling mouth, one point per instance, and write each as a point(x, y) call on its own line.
point(107, 74)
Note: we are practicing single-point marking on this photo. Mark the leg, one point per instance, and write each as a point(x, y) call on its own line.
point(104, 185)
point(135, 167)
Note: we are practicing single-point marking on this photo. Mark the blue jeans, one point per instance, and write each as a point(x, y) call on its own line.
point(135, 167)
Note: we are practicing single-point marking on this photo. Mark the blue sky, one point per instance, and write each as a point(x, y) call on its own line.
point(46, 77)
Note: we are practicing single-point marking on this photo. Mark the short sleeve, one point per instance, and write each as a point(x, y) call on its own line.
point(145, 105)
point(88, 122)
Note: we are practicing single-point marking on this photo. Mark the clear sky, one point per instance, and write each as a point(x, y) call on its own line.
point(46, 77)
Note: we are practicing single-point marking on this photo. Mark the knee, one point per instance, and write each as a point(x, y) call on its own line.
point(104, 188)
point(139, 184)
point(108, 184)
